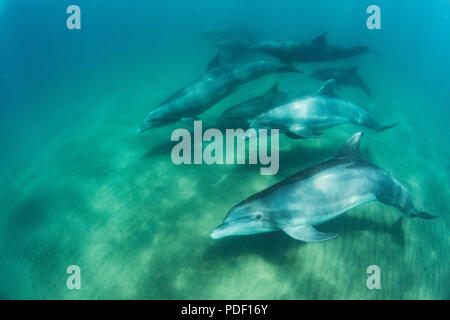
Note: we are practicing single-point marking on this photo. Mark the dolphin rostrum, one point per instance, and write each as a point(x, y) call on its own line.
point(219, 81)
point(315, 51)
point(316, 195)
point(344, 77)
point(302, 118)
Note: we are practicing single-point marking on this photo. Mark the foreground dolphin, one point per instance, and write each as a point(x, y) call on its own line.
point(317, 195)
point(246, 111)
point(345, 77)
point(200, 95)
point(315, 51)
point(302, 118)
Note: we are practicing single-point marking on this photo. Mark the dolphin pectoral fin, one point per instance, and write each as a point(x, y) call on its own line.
point(388, 126)
point(302, 132)
point(287, 66)
point(307, 233)
point(327, 89)
point(286, 61)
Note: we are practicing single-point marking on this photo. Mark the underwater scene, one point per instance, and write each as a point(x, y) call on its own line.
point(278, 149)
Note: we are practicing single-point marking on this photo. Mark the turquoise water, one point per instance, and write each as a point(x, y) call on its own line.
point(81, 187)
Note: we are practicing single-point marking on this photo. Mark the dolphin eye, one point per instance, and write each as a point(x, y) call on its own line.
point(258, 216)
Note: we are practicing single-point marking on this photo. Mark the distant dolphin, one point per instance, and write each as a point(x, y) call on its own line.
point(315, 51)
point(219, 81)
point(303, 118)
point(317, 195)
point(344, 77)
point(246, 111)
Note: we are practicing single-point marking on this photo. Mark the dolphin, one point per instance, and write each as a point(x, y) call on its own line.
point(316, 195)
point(302, 118)
point(219, 81)
point(246, 111)
point(315, 51)
point(345, 77)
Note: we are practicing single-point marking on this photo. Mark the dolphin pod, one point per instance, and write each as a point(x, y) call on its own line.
point(313, 196)
point(316, 195)
point(219, 81)
point(302, 118)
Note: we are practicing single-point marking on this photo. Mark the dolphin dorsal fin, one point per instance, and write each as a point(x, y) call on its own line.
point(327, 88)
point(350, 150)
point(353, 69)
point(320, 40)
point(274, 88)
point(214, 63)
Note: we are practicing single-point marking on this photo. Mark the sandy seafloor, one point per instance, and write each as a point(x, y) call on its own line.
point(83, 187)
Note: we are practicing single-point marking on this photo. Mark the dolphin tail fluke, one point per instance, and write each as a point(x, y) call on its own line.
point(382, 128)
point(423, 215)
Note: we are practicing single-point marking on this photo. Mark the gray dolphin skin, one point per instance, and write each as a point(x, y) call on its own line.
point(345, 77)
point(219, 81)
point(317, 195)
point(246, 111)
point(315, 51)
point(304, 117)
